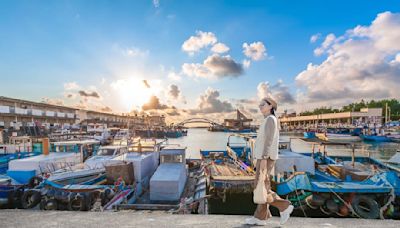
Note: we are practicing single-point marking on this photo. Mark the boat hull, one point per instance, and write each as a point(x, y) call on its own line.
point(376, 138)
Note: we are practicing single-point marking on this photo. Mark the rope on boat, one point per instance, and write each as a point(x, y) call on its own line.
point(345, 203)
point(297, 197)
point(390, 201)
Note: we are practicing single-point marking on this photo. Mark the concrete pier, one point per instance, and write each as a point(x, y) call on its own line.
point(44, 219)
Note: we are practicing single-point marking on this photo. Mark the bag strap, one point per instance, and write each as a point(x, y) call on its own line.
point(261, 176)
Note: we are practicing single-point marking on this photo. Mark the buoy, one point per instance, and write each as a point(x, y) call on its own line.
point(344, 211)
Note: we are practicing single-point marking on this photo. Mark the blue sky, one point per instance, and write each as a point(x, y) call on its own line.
point(45, 45)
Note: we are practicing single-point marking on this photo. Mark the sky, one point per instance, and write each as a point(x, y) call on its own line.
point(199, 58)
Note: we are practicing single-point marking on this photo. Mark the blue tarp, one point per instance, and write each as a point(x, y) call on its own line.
point(380, 183)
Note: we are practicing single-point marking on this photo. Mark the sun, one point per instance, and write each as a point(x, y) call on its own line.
point(133, 92)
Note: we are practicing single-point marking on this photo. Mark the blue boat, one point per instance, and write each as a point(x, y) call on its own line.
point(309, 134)
point(248, 130)
point(6, 158)
point(376, 138)
point(321, 185)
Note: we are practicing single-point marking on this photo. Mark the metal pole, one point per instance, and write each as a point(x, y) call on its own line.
point(386, 112)
point(353, 155)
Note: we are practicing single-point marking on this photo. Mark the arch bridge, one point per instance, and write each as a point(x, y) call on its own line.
point(197, 120)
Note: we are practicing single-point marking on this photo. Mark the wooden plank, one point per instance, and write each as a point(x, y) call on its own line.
point(233, 178)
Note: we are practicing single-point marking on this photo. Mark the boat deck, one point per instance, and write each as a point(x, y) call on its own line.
point(228, 171)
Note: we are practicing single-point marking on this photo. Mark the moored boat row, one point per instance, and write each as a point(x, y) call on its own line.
point(316, 183)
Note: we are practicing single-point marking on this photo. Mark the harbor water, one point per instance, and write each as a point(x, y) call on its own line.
point(202, 139)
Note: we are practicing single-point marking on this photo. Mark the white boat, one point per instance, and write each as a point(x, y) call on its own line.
point(62, 156)
point(104, 156)
point(143, 154)
point(99, 132)
point(122, 135)
point(76, 176)
point(395, 159)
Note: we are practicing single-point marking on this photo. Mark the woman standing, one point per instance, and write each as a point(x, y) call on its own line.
point(266, 153)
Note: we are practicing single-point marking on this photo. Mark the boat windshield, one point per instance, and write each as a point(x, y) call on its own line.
point(106, 152)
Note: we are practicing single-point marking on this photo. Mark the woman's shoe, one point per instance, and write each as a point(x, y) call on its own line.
point(255, 221)
point(285, 215)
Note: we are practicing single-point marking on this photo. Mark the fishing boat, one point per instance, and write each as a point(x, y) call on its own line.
point(318, 184)
point(104, 156)
point(230, 176)
point(10, 192)
point(122, 135)
point(176, 185)
point(17, 144)
point(60, 155)
point(343, 186)
point(309, 134)
point(376, 138)
point(333, 137)
point(173, 133)
point(394, 161)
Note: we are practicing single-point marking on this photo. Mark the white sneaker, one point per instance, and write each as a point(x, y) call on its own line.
point(285, 215)
point(255, 221)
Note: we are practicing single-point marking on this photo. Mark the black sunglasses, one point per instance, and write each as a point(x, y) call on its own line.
point(266, 102)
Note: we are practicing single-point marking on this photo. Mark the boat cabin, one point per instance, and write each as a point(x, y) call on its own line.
point(169, 180)
point(17, 144)
point(62, 155)
point(104, 155)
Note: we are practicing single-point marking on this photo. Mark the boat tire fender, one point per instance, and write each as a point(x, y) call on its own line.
point(78, 203)
point(360, 202)
point(50, 204)
point(30, 199)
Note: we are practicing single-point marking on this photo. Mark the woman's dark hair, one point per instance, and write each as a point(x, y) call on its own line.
point(272, 109)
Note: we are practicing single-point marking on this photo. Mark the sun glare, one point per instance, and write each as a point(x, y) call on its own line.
point(134, 92)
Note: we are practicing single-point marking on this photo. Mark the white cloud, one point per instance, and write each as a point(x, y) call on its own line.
point(315, 37)
point(214, 66)
point(397, 58)
point(361, 64)
point(71, 86)
point(196, 70)
point(246, 63)
point(174, 76)
point(53, 101)
point(329, 40)
point(256, 51)
point(209, 102)
point(279, 92)
point(220, 48)
point(201, 40)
